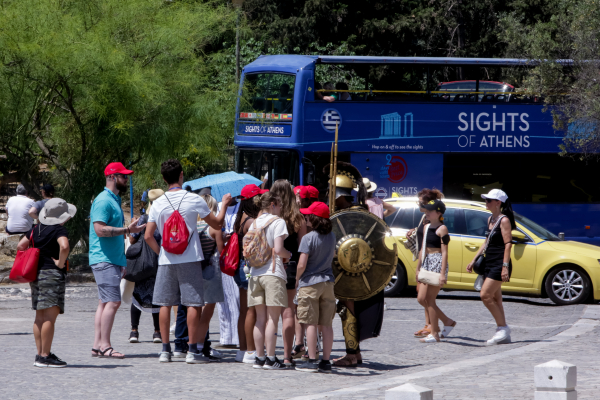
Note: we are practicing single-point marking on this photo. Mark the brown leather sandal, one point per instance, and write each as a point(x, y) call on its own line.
point(344, 362)
point(423, 332)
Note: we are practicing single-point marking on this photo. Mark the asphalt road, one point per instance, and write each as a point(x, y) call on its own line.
point(461, 367)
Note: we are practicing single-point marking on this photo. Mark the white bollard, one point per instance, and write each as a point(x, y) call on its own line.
point(555, 380)
point(408, 391)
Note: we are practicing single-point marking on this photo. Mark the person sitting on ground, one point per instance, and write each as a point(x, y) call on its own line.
point(17, 208)
point(144, 289)
point(47, 194)
point(48, 289)
point(343, 95)
point(314, 282)
point(377, 206)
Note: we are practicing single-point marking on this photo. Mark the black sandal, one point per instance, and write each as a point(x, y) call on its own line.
point(110, 355)
point(98, 352)
point(298, 351)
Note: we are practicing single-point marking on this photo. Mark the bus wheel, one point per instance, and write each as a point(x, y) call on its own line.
point(568, 284)
point(398, 282)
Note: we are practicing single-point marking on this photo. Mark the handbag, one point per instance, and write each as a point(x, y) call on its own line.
point(142, 261)
point(427, 277)
point(25, 267)
point(479, 264)
point(411, 243)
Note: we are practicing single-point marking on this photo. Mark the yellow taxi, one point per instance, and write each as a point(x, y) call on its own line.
point(543, 265)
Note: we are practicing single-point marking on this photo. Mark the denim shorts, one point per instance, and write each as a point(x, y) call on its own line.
point(108, 279)
point(179, 284)
point(240, 277)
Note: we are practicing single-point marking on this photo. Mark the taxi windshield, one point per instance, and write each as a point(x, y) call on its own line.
point(538, 230)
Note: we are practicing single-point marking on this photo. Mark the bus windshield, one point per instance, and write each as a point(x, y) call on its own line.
point(269, 165)
point(267, 93)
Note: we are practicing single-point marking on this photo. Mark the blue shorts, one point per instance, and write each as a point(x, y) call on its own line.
point(240, 277)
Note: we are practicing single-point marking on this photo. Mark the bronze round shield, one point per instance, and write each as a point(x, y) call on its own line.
point(363, 264)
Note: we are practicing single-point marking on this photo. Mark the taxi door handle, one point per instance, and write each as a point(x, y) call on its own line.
point(472, 245)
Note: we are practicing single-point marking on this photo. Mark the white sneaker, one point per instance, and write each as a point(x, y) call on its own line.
point(216, 353)
point(165, 357)
point(172, 329)
point(249, 357)
point(239, 356)
point(197, 358)
point(179, 354)
point(502, 336)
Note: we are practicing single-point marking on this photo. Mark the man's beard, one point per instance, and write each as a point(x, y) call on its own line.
point(121, 188)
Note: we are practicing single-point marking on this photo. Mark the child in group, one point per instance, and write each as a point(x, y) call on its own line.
point(314, 282)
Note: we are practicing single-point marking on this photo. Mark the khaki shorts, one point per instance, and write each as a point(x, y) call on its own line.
point(316, 304)
point(267, 289)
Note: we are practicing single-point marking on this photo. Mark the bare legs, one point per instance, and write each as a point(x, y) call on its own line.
point(43, 329)
point(426, 297)
point(427, 321)
point(242, 319)
point(103, 322)
point(193, 323)
point(288, 325)
point(267, 319)
point(312, 332)
point(491, 295)
point(249, 328)
point(207, 313)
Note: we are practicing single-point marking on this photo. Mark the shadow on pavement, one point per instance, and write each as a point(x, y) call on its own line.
point(16, 333)
point(504, 300)
point(98, 366)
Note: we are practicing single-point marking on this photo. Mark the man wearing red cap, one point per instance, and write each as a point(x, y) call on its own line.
point(306, 195)
point(107, 254)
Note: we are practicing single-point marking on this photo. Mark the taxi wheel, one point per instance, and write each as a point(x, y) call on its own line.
point(568, 284)
point(398, 282)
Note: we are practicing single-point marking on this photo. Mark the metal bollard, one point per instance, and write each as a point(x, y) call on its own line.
point(408, 391)
point(555, 380)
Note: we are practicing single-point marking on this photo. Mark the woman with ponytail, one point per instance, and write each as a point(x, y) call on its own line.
point(496, 261)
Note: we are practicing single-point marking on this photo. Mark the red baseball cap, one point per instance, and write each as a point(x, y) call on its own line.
point(297, 189)
point(313, 192)
point(249, 191)
point(116, 168)
point(303, 192)
point(317, 208)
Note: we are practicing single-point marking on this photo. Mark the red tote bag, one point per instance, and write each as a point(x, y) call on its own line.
point(25, 268)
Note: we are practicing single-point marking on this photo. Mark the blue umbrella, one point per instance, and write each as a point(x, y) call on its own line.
point(221, 184)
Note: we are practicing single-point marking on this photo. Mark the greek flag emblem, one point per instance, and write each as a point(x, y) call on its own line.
point(329, 118)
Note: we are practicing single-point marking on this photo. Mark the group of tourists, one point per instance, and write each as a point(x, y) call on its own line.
point(284, 241)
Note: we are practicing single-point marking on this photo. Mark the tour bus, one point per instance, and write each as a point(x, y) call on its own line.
point(405, 135)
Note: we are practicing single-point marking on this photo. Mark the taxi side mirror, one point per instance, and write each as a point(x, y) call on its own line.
point(519, 237)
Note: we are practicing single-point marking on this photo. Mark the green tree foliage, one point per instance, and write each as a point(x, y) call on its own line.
point(84, 83)
point(568, 29)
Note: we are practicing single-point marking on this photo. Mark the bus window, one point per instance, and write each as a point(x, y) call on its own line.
point(270, 165)
point(268, 93)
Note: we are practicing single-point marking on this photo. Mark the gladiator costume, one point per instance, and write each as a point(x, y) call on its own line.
point(363, 264)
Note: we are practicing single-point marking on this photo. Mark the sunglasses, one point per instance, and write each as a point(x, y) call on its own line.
point(489, 200)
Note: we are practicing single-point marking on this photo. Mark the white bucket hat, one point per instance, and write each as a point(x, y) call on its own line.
point(370, 186)
point(495, 194)
point(56, 211)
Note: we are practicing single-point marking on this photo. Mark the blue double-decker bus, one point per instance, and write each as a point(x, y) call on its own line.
point(460, 125)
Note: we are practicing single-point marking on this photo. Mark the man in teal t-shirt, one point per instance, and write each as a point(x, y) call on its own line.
point(107, 253)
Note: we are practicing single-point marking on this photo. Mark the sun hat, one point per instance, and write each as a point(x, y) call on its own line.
point(56, 211)
point(206, 190)
point(116, 168)
point(495, 194)
point(155, 194)
point(435, 205)
point(313, 192)
point(370, 186)
point(249, 191)
point(317, 208)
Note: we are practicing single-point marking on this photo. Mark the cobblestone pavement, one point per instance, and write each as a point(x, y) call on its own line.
point(460, 367)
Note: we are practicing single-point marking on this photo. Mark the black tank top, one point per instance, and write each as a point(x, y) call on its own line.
point(433, 241)
point(241, 235)
point(291, 243)
point(496, 240)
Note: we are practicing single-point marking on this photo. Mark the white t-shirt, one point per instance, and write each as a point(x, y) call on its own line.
point(18, 213)
point(230, 216)
point(191, 207)
point(275, 229)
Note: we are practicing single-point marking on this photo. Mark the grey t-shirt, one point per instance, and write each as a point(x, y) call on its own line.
point(320, 249)
point(40, 204)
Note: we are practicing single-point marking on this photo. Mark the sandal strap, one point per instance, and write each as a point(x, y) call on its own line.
point(107, 349)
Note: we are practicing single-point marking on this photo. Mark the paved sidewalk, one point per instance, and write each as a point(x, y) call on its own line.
point(459, 368)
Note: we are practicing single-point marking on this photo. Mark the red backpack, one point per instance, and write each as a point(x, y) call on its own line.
point(176, 235)
point(230, 256)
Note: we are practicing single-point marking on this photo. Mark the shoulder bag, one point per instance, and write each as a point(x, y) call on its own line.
point(427, 277)
point(142, 261)
point(479, 264)
point(412, 242)
point(25, 267)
